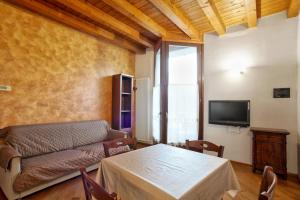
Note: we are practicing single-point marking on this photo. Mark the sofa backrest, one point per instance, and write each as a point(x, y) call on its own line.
point(32, 140)
point(88, 132)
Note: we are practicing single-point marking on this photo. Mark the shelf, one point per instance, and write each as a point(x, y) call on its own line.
point(123, 97)
point(126, 93)
point(125, 119)
point(126, 85)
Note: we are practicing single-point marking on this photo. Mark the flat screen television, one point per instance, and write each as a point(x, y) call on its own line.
point(231, 113)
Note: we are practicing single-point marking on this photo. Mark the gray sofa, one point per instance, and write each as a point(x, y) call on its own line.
point(38, 156)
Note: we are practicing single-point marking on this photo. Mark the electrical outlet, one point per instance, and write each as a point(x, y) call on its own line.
point(6, 88)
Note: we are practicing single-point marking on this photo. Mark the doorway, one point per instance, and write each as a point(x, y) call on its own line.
point(178, 93)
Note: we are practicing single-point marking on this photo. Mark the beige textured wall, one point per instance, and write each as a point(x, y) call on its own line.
point(57, 73)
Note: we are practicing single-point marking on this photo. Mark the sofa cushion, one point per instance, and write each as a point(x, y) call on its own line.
point(95, 150)
point(118, 150)
point(32, 140)
point(45, 168)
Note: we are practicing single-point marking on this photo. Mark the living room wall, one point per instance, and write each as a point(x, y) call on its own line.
point(268, 57)
point(56, 73)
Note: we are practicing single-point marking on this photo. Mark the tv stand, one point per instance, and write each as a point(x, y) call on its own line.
point(269, 148)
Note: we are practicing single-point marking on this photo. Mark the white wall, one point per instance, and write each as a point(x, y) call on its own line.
point(268, 53)
point(144, 66)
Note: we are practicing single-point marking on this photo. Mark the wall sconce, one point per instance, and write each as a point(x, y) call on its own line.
point(238, 70)
point(242, 71)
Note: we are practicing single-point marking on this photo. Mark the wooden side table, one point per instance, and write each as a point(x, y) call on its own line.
point(269, 148)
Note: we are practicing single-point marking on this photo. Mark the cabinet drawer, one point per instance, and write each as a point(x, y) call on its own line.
point(269, 138)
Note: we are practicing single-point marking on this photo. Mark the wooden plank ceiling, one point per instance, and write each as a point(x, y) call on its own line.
point(140, 24)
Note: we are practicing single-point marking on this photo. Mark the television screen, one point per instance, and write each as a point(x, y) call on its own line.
point(234, 113)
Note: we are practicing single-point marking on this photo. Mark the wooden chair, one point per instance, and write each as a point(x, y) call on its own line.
point(93, 190)
point(268, 184)
point(117, 143)
point(200, 145)
point(267, 187)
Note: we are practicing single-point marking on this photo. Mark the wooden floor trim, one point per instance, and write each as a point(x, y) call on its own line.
point(291, 175)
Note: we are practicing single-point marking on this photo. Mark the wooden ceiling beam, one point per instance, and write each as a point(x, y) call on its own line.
point(77, 24)
point(101, 17)
point(250, 6)
point(293, 8)
point(212, 14)
point(176, 38)
point(177, 17)
point(136, 15)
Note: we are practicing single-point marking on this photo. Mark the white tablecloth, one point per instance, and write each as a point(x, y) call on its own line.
point(165, 172)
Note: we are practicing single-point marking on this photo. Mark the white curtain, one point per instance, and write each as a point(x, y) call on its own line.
point(156, 113)
point(183, 94)
point(156, 100)
point(182, 113)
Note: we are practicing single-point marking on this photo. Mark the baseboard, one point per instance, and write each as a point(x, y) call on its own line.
point(293, 176)
point(241, 163)
point(290, 175)
point(145, 142)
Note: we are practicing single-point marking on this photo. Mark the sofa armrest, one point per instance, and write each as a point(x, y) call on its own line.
point(8, 177)
point(3, 132)
point(115, 134)
point(2, 143)
point(7, 154)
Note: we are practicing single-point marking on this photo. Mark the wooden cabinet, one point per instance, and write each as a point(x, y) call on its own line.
point(122, 99)
point(269, 148)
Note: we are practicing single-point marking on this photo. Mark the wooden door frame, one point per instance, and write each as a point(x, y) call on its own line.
point(201, 90)
point(164, 55)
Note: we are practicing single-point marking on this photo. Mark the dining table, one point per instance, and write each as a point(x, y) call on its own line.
point(165, 172)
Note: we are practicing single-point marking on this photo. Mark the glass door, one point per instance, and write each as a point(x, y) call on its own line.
point(177, 93)
point(183, 94)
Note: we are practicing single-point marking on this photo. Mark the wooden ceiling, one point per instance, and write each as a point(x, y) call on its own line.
point(140, 24)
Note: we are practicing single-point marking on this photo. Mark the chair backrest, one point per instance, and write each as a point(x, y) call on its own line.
point(268, 184)
point(200, 145)
point(93, 190)
point(120, 145)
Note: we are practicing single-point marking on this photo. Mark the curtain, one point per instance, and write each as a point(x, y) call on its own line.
point(182, 94)
point(156, 100)
point(182, 113)
point(156, 114)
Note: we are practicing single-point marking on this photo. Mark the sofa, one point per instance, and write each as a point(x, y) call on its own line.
point(35, 157)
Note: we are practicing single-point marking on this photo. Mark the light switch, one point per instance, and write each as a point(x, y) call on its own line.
point(5, 88)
